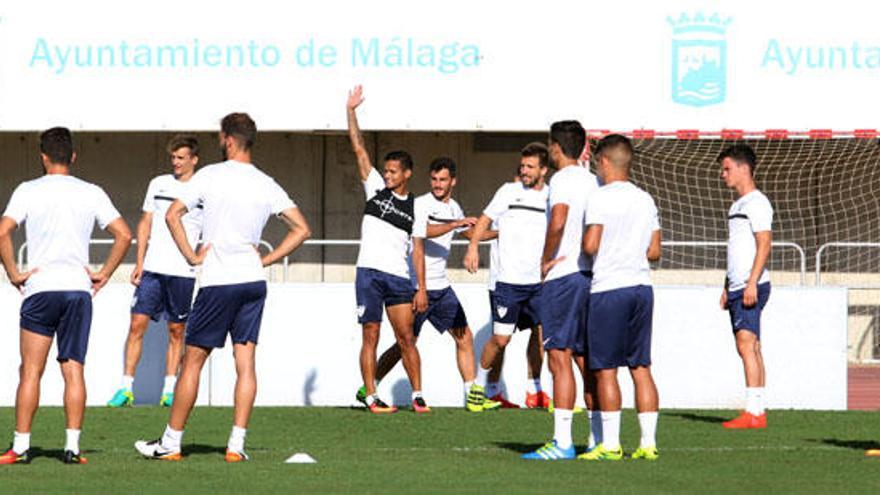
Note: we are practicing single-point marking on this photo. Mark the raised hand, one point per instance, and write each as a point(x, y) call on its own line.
point(355, 97)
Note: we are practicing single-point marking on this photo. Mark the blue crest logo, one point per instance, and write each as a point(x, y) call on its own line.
point(699, 59)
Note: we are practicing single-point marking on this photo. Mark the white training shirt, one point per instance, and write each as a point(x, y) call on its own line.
point(521, 215)
point(163, 256)
point(59, 213)
point(432, 211)
point(749, 214)
point(238, 199)
point(573, 186)
point(628, 217)
point(388, 224)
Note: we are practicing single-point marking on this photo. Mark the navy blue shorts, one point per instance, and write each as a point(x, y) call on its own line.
point(167, 295)
point(375, 289)
point(527, 317)
point(742, 318)
point(510, 301)
point(67, 314)
point(564, 311)
point(236, 309)
point(619, 328)
point(444, 312)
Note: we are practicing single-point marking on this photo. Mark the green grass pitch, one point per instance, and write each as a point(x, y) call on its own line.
point(448, 451)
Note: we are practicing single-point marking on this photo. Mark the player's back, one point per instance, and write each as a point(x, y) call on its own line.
point(237, 200)
point(628, 217)
point(59, 212)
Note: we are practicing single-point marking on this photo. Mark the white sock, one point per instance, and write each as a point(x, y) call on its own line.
point(72, 443)
point(21, 442)
point(482, 376)
point(171, 438)
point(562, 427)
point(533, 385)
point(595, 419)
point(236, 439)
point(648, 427)
point(127, 382)
point(170, 382)
point(416, 394)
point(754, 404)
point(371, 399)
point(611, 429)
point(493, 389)
point(467, 387)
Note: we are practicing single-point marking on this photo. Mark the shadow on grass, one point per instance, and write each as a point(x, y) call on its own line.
point(198, 448)
point(847, 444)
point(702, 418)
point(520, 448)
point(57, 454)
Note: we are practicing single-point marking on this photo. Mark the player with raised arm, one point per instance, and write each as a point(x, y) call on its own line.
point(623, 235)
point(383, 274)
point(520, 211)
point(237, 200)
point(163, 279)
point(59, 212)
point(444, 217)
point(566, 272)
point(747, 285)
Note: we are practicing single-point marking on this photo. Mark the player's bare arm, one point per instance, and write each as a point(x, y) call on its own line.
point(420, 300)
point(654, 249)
point(355, 98)
point(297, 232)
point(555, 230)
point(592, 238)
point(437, 230)
point(763, 241)
point(143, 237)
point(472, 257)
point(174, 219)
point(7, 227)
point(121, 242)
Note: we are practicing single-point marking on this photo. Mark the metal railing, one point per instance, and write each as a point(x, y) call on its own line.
point(461, 242)
point(822, 249)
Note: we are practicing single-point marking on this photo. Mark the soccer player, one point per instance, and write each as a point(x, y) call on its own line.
point(747, 285)
point(444, 217)
point(623, 235)
point(566, 272)
point(59, 211)
point(520, 211)
point(383, 275)
point(163, 279)
point(237, 199)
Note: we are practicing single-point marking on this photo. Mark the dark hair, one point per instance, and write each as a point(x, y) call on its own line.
point(443, 162)
point(619, 145)
point(57, 144)
point(570, 136)
point(402, 157)
point(241, 127)
point(183, 141)
point(536, 149)
point(740, 153)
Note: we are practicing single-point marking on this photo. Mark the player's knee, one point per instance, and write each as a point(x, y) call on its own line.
point(175, 333)
point(406, 341)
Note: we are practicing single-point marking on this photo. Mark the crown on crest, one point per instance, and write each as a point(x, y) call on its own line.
point(699, 23)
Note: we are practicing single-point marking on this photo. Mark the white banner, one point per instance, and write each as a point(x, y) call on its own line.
point(453, 65)
point(310, 340)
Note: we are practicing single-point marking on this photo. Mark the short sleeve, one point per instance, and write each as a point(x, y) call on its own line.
point(760, 215)
point(420, 220)
point(596, 210)
point(17, 207)
point(498, 205)
point(278, 198)
point(374, 183)
point(149, 205)
point(105, 212)
point(562, 192)
point(193, 194)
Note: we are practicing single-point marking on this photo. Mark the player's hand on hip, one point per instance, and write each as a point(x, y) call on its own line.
point(750, 295)
point(723, 302)
point(99, 280)
point(420, 301)
point(472, 260)
point(19, 279)
point(548, 265)
point(136, 275)
point(202, 253)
